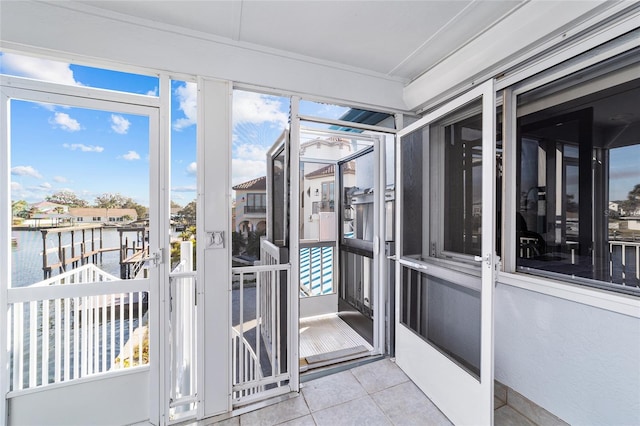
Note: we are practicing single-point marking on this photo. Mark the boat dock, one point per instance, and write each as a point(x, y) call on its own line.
point(86, 246)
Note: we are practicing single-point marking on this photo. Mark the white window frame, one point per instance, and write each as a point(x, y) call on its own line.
point(507, 275)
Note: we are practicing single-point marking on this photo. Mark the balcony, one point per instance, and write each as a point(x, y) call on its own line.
point(255, 209)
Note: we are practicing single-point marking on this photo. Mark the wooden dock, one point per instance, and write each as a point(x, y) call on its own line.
point(87, 246)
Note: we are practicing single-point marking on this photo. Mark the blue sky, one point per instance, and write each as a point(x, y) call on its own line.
point(89, 152)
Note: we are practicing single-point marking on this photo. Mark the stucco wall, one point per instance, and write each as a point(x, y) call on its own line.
point(580, 362)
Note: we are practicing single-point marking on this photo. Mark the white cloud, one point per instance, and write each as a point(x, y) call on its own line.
point(131, 155)
point(153, 92)
point(25, 171)
point(83, 147)
point(40, 69)
point(251, 152)
point(65, 122)
point(60, 179)
point(45, 185)
point(191, 188)
point(246, 170)
point(187, 96)
point(256, 108)
point(119, 124)
point(192, 168)
point(15, 186)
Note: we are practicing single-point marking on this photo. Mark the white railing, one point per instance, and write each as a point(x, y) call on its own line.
point(261, 332)
point(183, 337)
point(246, 365)
point(75, 325)
point(624, 262)
point(270, 254)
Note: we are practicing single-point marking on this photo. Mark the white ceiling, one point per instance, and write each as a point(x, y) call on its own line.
point(396, 39)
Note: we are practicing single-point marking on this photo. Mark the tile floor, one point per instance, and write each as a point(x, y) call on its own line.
point(378, 393)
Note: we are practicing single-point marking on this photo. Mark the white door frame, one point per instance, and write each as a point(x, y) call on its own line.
point(462, 397)
point(90, 98)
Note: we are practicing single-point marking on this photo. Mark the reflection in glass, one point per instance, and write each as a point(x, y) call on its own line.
point(578, 179)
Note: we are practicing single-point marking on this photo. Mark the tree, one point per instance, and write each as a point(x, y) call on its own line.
point(141, 210)
point(631, 204)
point(66, 198)
point(110, 201)
point(188, 213)
point(237, 243)
point(175, 205)
point(20, 208)
point(253, 243)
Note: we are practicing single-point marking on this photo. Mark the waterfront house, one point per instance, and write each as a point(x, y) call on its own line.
point(93, 215)
point(480, 258)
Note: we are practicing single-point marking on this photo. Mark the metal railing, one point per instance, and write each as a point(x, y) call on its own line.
point(255, 209)
point(624, 263)
point(76, 324)
point(183, 393)
point(261, 331)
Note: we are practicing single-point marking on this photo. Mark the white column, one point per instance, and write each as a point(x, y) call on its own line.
point(214, 264)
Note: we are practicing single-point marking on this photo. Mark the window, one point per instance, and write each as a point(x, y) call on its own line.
point(442, 185)
point(578, 178)
point(256, 203)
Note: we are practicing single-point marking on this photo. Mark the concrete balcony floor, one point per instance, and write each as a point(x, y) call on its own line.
point(378, 393)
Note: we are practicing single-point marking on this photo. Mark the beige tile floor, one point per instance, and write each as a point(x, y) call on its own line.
point(378, 393)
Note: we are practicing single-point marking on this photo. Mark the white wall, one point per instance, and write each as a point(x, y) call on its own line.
point(579, 362)
point(57, 28)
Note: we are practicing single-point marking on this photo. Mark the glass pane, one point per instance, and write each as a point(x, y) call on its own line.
point(338, 112)
point(71, 225)
point(258, 124)
point(77, 75)
point(414, 187)
point(578, 179)
point(462, 179)
point(357, 187)
point(445, 314)
point(68, 166)
point(442, 186)
point(326, 145)
point(280, 200)
point(318, 217)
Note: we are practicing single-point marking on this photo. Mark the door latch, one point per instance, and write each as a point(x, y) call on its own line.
point(486, 259)
point(157, 257)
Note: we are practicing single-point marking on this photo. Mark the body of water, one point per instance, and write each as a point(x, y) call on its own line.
point(26, 256)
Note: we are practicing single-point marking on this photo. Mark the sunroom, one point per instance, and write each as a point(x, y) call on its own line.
point(449, 187)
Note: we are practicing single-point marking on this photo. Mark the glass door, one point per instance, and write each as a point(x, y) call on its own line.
point(85, 260)
point(445, 266)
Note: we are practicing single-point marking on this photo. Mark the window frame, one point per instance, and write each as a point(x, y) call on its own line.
point(507, 273)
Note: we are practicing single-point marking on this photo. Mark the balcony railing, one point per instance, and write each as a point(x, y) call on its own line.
point(255, 209)
point(624, 263)
point(75, 325)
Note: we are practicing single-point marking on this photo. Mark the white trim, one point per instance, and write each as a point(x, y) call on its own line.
point(602, 299)
point(66, 291)
point(456, 103)
point(5, 248)
point(294, 244)
point(79, 381)
point(592, 28)
point(44, 87)
point(603, 34)
point(160, 382)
